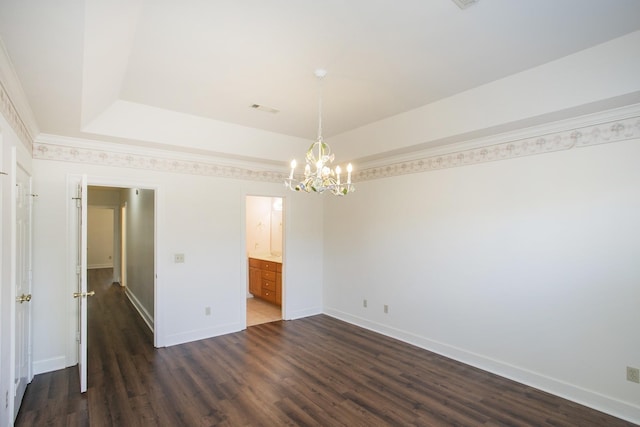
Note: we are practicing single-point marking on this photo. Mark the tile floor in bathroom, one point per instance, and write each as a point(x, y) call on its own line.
point(259, 311)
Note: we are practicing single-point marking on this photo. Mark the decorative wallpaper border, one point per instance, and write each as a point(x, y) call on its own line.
point(63, 153)
point(613, 131)
point(601, 133)
point(8, 110)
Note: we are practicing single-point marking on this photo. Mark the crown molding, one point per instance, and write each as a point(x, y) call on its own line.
point(13, 102)
point(609, 126)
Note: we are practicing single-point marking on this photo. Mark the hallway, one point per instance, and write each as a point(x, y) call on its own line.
point(120, 353)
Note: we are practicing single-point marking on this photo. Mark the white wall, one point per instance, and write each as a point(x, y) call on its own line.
point(103, 197)
point(258, 224)
point(199, 216)
point(525, 267)
point(140, 244)
point(100, 237)
point(264, 225)
point(277, 224)
point(108, 198)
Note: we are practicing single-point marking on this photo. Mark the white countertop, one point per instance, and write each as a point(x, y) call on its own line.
point(265, 256)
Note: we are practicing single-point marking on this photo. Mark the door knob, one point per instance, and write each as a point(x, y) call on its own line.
point(22, 298)
point(84, 294)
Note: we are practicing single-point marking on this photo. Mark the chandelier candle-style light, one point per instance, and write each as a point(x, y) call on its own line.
point(318, 174)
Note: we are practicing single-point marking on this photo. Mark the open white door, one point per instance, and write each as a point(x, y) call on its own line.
point(81, 293)
point(23, 374)
point(123, 245)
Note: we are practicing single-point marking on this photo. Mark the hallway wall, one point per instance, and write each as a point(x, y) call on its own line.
point(140, 244)
point(100, 239)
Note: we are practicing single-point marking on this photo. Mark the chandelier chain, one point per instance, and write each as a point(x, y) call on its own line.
point(320, 79)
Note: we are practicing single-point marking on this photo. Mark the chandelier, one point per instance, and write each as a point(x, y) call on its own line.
point(318, 174)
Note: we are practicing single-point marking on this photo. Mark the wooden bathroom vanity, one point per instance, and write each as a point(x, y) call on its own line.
point(265, 280)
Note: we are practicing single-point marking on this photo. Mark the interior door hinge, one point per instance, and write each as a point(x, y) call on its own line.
point(78, 269)
point(78, 336)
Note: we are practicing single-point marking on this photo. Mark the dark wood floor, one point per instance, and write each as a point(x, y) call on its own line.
point(316, 371)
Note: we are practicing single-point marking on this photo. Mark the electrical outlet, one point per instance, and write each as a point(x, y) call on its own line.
point(207, 311)
point(178, 258)
point(633, 374)
point(364, 303)
point(386, 308)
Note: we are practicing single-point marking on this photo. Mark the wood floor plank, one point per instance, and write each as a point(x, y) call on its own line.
point(316, 371)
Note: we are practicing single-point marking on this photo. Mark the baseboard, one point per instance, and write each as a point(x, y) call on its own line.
point(556, 387)
point(204, 333)
point(201, 334)
point(96, 266)
point(299, 314)
point(148, 318)
point(49, 365)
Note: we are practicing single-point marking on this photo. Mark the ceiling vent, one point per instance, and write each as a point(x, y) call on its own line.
point(264, 108)
point(463, 4)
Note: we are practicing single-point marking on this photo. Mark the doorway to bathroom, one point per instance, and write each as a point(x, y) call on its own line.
point(264, 234)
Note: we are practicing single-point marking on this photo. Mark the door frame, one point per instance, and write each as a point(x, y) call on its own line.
point(102, 181)
point(245, 251)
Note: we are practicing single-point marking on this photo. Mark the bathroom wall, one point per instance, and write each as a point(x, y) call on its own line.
point(258, 224)
point(264, 225)
point(276, 226)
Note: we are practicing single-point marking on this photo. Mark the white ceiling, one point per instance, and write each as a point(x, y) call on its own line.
point(156, 70)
